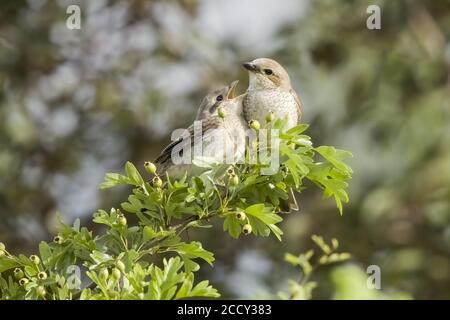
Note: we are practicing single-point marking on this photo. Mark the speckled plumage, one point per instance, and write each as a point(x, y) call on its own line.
point(258, 103)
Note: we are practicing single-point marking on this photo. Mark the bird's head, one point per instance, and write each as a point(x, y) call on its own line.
point(214, 99)
point(265, 73)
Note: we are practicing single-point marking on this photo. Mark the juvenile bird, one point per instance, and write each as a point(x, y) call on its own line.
point(270, 90)
point(218, 135)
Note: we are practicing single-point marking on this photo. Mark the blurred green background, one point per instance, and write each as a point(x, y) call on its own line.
point(75, 104)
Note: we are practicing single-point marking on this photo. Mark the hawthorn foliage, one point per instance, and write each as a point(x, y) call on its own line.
point(122, 262)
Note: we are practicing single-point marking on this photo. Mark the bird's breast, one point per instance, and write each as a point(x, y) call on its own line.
point(259, 103)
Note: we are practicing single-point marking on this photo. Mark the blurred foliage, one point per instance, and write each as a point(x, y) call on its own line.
point(302, 289)
point(76, 104)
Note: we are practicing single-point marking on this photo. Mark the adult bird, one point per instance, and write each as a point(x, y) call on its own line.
point(270, 90)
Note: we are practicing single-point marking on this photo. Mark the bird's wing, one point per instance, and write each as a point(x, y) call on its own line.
point(299, 104)
point(189, 137)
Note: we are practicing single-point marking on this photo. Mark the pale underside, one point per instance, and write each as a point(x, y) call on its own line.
point(284, 104)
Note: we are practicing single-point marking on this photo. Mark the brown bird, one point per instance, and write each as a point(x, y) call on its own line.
point(218, 136)
point(270, 90)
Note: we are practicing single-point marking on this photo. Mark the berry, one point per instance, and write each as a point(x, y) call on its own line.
point(18, 273)
point(42, 275)
point(35, 259)
point(234, 180)
point(41, 291)
point(150, 167)
point(58, 239)
point(247, 229)
point(269, 117)
point(240, 215)
point(122, 220)
point(116, 274)
point(2, 253)
point(121, 266)
point(254, 124)
point(157, 182)
point(221, 112)
point(113, 294)
point(23, 281)
point(2, 246)
point(104, 274)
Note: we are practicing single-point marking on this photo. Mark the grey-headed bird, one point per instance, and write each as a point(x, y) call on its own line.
point(270, 90)
point(218, 135)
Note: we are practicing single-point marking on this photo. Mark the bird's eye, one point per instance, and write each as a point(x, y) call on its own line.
point(268, 72)
point(219, 98)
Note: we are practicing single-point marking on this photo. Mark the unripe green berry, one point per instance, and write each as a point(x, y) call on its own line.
point(221, 112)
point(150, 167)
point(2, 246)
point(113, 294)
point(35, 259)
point(2, 253)
point(122, 220)
point(116, 274)
point(240, 215)
point(157, 182)
point(254, 124)
point(121, 266)
point(104, 274)
point(247, 229)
point(18, 273)
point(269, 117)
point(23, 281)
point(42, 275)
point(234, 180)
point(41, 291)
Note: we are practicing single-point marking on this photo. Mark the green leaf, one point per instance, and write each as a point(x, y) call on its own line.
point(263, 213)
point(45, 252)
point(192, 250)
point(100, 257)
point(298, 129)
point(276, 231)
point(149, 233)
point(232, 225)
point(335, 156)
point(7, 263)
point(202, 289)
point(30, 271)
point(113, 180)
point(133, 174)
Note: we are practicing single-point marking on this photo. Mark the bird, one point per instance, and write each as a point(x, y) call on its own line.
point(219, 130)
point(270, 91)
point(211, 102)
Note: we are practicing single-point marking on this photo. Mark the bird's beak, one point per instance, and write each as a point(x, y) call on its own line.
point(231, 89)
point(250, 67)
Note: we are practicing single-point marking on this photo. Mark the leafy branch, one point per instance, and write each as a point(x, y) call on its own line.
point(122, 262)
